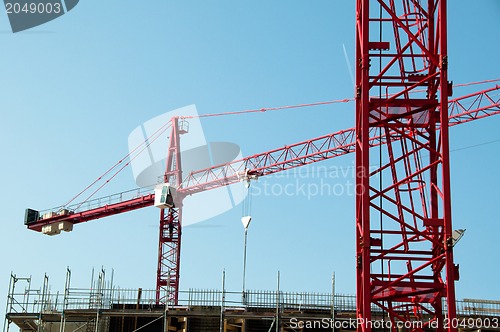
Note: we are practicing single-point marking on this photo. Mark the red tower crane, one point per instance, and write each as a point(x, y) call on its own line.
point(461, 110)
point(404, 243)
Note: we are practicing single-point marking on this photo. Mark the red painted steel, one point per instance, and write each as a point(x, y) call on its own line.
point(464, 109)
point(169, 248)
point(96, 213)
point(403, 206)
point(474, 106)
point(404, 245)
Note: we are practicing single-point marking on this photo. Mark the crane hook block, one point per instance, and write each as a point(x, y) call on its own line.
point(164, 196)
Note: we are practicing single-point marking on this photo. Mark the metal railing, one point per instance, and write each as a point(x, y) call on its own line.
point(474, 307)
point(101, 201)
point(38, 301)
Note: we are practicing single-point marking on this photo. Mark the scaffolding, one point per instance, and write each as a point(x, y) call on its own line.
point(106, 308)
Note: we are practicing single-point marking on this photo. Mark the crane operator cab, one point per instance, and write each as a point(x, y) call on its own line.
point(164, 196)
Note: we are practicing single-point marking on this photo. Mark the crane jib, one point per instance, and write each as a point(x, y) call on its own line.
point(481, 104)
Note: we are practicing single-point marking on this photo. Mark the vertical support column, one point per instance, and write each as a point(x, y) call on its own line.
point(278, 303)
point(169, 247)
point(445, 90)
point(10, 301)
point(402, 90)
point(67, 284)
point(167, 290)
point(363, 288)
point(222, 302)
point(333, 302)
point(43, 302)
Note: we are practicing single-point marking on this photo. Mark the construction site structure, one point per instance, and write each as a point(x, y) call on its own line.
point(404, 234)
point(105, 307)
point(478, 105)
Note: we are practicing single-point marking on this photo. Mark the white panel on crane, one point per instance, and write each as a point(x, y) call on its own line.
point(164, 196)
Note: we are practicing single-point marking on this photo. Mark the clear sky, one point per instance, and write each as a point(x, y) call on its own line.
point(75, 88)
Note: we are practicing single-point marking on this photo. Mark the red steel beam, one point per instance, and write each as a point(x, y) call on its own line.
point(96, 213)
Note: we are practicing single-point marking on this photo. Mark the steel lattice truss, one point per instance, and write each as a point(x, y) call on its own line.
point(169, 249)
point(404, 244)
point(463, 109)
point(467, 108)
point(169, 244)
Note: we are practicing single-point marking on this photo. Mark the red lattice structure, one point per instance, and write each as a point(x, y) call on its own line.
point(169, 243)
point(404, 244)
point(471, 107)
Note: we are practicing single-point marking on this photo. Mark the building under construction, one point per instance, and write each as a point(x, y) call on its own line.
point(107, 308)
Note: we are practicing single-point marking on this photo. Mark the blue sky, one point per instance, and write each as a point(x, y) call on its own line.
point(74, 89)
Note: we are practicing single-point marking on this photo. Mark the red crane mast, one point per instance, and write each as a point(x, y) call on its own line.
point(404, 244)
